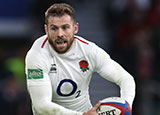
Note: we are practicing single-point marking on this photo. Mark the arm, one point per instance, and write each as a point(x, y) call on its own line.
point(39, 86)
point(112, 71)
point(41, 100)
point(123, 79)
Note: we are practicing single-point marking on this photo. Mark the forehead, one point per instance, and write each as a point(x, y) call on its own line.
point(62, 20)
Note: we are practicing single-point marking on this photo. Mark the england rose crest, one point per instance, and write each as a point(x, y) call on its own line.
point(83, 65)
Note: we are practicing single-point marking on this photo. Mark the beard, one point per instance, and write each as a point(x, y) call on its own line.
point(61, 45)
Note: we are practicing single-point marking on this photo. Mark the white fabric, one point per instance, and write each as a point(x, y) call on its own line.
point(64, 86)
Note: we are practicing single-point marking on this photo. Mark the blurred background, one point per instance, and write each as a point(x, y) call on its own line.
point(129, 30)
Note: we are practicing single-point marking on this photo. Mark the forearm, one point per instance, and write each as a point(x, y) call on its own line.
point(125, 82)
point(41, 100)
point(50, 108)
point(127, 86)
point(122, 78)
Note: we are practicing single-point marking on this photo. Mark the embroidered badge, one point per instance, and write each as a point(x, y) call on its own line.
point(83, 65)
point(35, 74)
point(53, 68)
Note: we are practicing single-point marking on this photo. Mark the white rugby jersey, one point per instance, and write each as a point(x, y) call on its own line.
point(58, 83)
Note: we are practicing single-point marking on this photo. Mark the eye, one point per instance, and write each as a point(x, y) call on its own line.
point(65, 27)
point(54, 28)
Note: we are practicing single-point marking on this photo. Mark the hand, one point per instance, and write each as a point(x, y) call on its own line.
point(93, 111)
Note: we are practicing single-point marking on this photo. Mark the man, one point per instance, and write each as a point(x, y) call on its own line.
point(60, 64)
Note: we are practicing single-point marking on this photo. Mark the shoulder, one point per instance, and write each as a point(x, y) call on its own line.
point(40, 43)
point(39, 51)
point(90, 48)
point(84, 42)
point(87, 45)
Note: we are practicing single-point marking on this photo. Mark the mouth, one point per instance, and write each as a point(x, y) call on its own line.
point(61, 41)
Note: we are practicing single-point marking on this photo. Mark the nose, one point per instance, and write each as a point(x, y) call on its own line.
point(60, 32)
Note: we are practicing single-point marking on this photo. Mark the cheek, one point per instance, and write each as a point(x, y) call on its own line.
point(51, 34)
point(68, 33)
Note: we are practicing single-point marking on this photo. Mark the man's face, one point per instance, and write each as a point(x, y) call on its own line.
point(60, 31)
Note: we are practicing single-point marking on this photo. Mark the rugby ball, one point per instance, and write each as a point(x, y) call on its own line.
point(114, 106)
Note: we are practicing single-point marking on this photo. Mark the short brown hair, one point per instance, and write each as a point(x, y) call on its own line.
point(59, 10)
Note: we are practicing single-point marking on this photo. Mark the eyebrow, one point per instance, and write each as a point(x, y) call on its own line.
point(60, 25)
point(53, 25)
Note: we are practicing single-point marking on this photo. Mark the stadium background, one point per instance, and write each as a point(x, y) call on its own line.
point(129, 30)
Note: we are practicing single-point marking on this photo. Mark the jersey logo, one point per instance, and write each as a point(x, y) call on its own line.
point(83, 65)
point(53, 68)
point(35, 74)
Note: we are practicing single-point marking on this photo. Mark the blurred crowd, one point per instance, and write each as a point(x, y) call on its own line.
point(134, 27)
point(14, 99)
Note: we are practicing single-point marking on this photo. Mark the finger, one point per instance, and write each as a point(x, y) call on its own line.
point(97, 105)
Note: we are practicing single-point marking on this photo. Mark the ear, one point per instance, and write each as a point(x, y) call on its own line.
point(46, 29)
point(76, 28)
